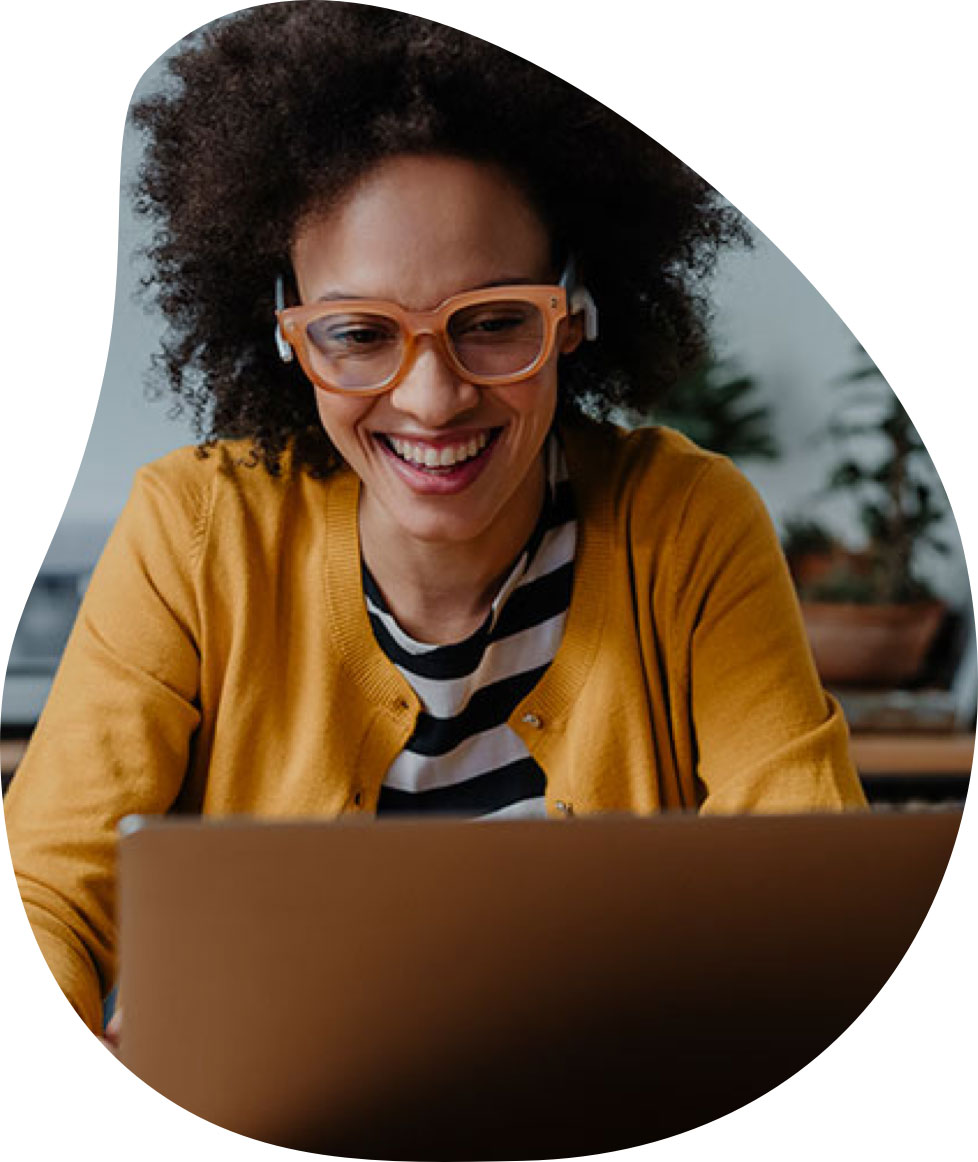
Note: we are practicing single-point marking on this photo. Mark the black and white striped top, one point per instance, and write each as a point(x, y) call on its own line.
point(463, 759)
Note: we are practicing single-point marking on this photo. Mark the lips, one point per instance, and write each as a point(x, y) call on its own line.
point(443, 466)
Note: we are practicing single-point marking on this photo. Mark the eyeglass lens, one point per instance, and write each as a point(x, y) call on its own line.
point(354, 351)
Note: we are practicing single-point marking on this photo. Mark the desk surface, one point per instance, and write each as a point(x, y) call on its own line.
point(913, 754)
point(873, 754)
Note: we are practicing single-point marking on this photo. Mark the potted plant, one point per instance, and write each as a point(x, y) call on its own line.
point(713, 407)
point(870, 616)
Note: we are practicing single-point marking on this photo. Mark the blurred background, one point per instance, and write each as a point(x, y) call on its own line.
point(788, 393)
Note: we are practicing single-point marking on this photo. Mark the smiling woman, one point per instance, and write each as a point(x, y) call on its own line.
point(413, 566)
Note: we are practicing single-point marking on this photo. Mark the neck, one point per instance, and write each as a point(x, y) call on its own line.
point(440, 592)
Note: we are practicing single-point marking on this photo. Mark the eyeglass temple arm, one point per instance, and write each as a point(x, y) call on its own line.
point(579, 299)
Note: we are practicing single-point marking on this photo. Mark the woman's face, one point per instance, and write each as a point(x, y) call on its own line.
point(416, 231)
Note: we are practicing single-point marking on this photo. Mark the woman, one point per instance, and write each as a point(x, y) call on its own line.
point(409, 277)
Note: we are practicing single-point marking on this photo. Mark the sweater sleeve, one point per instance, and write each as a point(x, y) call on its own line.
point(114, 736)
point(767, 736)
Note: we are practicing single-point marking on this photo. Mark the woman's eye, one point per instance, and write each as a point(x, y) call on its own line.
point(351, 336)
point(495, 323)
point(358, 337)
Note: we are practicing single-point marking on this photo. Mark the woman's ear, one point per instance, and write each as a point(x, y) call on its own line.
point(571, 333)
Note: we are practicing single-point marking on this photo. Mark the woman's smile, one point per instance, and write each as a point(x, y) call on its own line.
point(441, 465)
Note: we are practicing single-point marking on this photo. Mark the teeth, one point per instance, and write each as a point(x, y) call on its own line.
point(427, 457)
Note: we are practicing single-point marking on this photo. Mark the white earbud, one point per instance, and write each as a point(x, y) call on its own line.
point(579, 300)
point(285, 352)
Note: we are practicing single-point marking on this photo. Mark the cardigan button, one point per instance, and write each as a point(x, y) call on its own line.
point(532, 720)
point(564, 808)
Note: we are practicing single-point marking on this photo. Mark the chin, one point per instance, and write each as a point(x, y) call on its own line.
point(440, 528)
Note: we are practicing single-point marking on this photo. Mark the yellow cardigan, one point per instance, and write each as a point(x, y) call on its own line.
point(223, 662)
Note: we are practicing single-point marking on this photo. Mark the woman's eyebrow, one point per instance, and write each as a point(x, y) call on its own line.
point(516, 280)
point(337, 295)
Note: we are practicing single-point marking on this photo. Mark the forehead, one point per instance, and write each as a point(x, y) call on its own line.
point(417, 229)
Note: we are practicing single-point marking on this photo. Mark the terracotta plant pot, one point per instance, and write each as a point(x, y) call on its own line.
point(871, 645)
point(812, 568)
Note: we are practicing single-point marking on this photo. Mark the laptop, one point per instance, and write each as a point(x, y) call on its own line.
point(525, 989)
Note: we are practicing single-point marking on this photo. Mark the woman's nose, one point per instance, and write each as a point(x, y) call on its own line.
point(431, 390)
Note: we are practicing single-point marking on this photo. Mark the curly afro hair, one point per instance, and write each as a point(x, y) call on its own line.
point(277, 110)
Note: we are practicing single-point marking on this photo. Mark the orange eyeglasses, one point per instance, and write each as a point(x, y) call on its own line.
point(365, 346)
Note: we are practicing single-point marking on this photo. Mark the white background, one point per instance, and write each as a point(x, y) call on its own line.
point(844, 132)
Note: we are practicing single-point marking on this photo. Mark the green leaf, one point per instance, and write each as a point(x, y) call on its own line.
point(847, 474)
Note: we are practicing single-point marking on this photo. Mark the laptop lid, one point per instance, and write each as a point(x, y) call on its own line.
point(423, 990)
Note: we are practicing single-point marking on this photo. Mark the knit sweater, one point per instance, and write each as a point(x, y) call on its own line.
point(223, 662)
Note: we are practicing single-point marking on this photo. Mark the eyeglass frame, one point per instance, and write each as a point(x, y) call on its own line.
point(291, 337)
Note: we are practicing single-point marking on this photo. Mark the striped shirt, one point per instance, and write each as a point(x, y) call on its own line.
point(463, 759)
